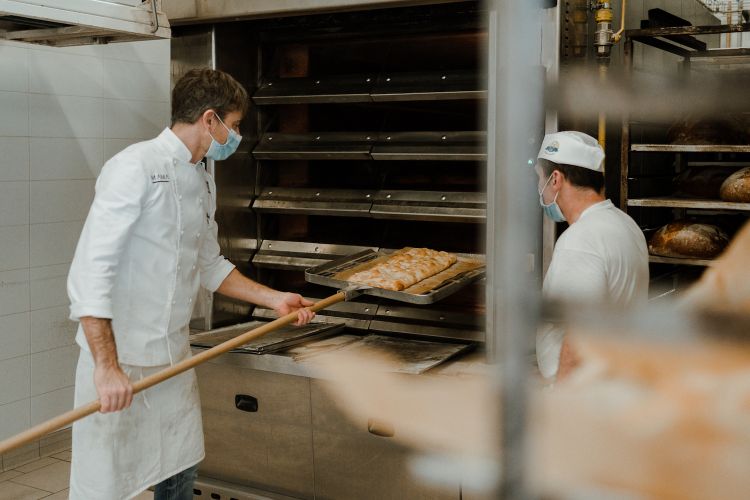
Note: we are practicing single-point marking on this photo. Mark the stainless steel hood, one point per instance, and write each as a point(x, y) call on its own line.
point(194, 11)
point(82, 22)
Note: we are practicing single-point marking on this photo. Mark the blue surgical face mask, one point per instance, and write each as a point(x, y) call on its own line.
point(220, 152)
point(553, 209)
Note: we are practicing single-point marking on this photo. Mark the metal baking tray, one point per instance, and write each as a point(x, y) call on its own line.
point(280, 339)
point(325, 275)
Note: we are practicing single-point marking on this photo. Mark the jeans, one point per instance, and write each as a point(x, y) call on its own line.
point(177, 487)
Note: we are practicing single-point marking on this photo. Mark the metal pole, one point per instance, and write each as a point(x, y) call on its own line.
point(515, 129)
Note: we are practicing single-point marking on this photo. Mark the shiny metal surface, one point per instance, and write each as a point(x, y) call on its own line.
point(209, 488)
point(390, 87)
point(351, 462)
point(81, 22)
point(430, 206)
point(269, 449)
point(315, 146)
point(299, 255)
point(410, 356)
point(429, 86)
point(192, 11)
point(341, 89)
point(355, 315)
point(281, 339)
point(516, 125)
point(345, 203)
point(431, 146)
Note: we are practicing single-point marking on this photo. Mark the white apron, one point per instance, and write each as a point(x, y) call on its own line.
point(119, 455)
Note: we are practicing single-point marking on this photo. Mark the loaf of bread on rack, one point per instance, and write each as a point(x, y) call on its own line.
point(405, 268)
point(736, 188)
point(701, 182)
point(707, 131)
point(688, 239)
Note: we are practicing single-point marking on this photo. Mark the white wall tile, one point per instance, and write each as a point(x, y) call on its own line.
point(65, 116)
point(150, 51)
point(16, 417)
point(14, 158)
point(53, 369)
point(51, 329)
point(15, 335)
point(50, 405)
point(70, 158)
point(113, 146)
point(54, 243)
point(14, 75)
point(134, 119)
point(15, 374)
point(59, 201)
point(64, 74)
point(135, 80)
point(48, 286)
point(14, 203)
point(14, 291)
point(57, 96)
point(14, 119)
point(14, 247)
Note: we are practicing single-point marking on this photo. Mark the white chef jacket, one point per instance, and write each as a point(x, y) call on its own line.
point(149, 242)
point(602, 258)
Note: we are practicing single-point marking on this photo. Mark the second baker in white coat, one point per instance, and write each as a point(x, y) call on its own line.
point(602, 257)
point(149, 242)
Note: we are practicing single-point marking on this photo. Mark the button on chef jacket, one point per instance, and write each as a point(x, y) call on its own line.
point(149, 242)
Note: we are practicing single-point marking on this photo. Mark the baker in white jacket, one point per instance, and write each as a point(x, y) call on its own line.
point(149, 242)
point(602, 257)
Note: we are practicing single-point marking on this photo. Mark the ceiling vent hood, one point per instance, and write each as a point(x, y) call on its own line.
point(82, 22)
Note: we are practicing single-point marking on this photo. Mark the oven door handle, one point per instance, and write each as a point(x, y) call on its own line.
point(246, 403)
point(380, 428)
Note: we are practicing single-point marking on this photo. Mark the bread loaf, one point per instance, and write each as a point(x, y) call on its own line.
point(701, 182)
point(706, 131)
point(736, 188)
point(688, 239)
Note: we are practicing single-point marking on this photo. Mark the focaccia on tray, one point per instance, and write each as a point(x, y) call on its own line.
point(405, 268)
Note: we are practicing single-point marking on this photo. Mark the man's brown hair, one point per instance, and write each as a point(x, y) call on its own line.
point(580, 177)
point(202, 89)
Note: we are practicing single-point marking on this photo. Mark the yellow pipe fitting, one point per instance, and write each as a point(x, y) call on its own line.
point(604, 16)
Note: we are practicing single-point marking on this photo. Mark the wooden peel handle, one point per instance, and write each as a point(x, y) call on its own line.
point(68, 418)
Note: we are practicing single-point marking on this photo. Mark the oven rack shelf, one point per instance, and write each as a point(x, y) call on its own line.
point(432, 206)
point(673, 202)
point(373, 316)
point(690, 148)
point(367, 88)
point(301, 255)
point(315, 146)
point(305, 201)
point(657, 259)
point(298, 256)
point(435, 206)
point(418, 146)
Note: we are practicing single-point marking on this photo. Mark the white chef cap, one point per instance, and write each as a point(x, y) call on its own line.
point(573, 148)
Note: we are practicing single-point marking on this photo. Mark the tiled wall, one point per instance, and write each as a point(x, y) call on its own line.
point(63, 112)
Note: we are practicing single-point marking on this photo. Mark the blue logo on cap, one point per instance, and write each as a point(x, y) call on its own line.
point(553, 147)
